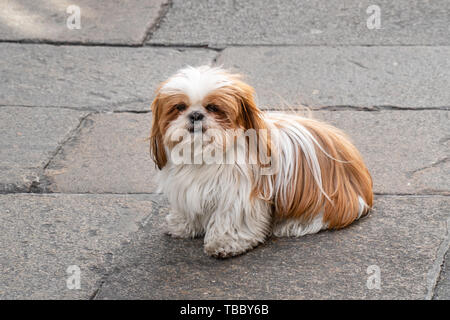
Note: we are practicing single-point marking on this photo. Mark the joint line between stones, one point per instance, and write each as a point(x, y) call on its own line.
point(165, 7)
point(435, 271)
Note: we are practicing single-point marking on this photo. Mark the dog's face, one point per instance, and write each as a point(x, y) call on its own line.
point(202, 99)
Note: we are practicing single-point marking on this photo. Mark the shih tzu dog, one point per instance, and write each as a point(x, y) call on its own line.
point(236, 175)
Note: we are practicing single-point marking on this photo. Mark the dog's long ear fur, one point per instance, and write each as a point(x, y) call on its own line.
point(251, 116)
point(157, 151)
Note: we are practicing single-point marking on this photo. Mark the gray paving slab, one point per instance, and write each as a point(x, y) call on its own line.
point(407, 77)
point(402, 237)
point(442, 291)
point(101, 22)
point(110, 154)
point(96, 78)
point(42, 235)
point(406, 152)
point(30, 137)
point(314, 22)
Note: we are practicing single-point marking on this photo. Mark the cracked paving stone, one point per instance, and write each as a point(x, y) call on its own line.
point(110, 154)
point(402, 237)
point(313, 22)
point(408, 77)
point(442, 291)
point(42, 235)
point(401, 148)
point(30, 137)
point(101, 22)
point(95, 78)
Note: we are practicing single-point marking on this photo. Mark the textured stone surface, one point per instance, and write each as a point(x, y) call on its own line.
point(316, 53)
point(402, 237)
point(335, 22)
point(42, 235)
point(406, 152)
point(99, 78)
point(409, 77)
point(29, 138)
point(112, 22)
point(110, 154)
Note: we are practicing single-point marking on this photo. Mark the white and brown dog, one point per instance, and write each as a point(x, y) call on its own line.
point(309, 177)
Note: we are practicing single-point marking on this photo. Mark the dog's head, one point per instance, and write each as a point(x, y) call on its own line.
point(196, 100)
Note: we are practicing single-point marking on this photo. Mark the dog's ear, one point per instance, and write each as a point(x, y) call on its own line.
point(157, 150)
point(251, 116)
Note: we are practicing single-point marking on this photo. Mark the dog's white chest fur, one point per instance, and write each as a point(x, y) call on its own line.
point(213, 200)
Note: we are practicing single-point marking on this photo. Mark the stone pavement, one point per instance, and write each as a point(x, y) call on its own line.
point(77, 186)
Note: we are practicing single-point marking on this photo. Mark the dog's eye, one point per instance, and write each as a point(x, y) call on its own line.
point(212, 108)
point(180, 107)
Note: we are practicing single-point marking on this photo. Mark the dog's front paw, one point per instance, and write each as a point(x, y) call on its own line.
point(179, 227)
point(226, 248)
point(182, 232)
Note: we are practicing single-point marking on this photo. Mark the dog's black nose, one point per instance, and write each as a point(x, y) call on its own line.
point(196, 116)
